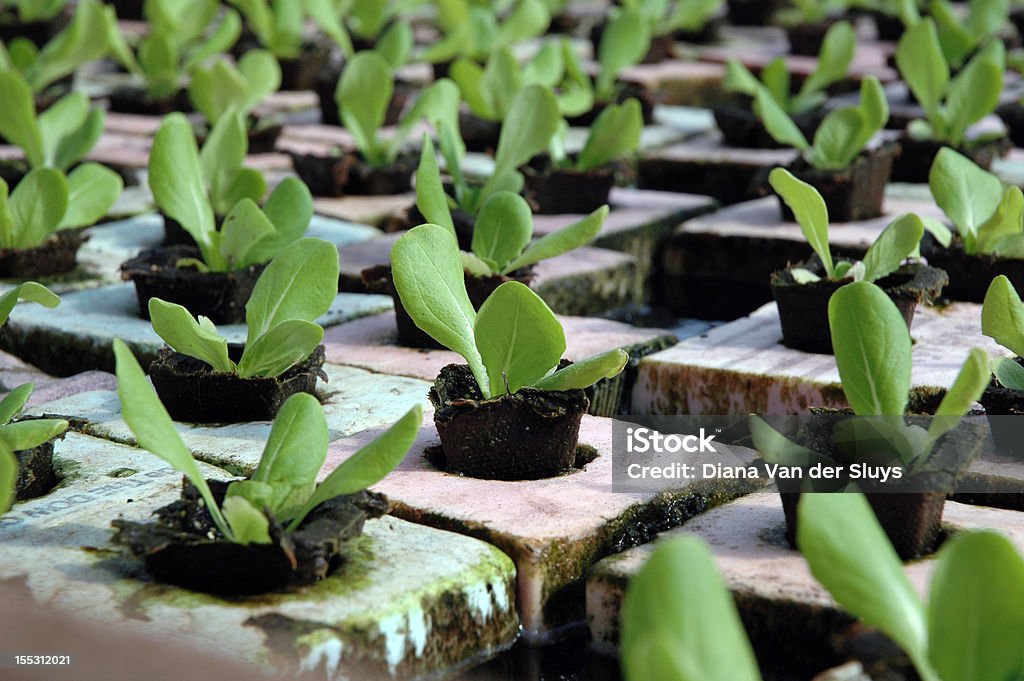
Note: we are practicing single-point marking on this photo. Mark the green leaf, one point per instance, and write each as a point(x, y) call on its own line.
point(585, 373)
point(1002, 315)
point(300, 283)
point(738, 78)
point(179, 329)
point(532, 120)
point(281, 348)
point(777, 122)
point(246, 183)
point(846, 132)
point(176, 180)
point(153, 428)
point(289, 208)
point(679, 622)
point(427, 270)
point(625, 41)
point(965, 192)
point(18, 117)
point(437, 104)
point(940, 232)
point(71, 48)
point(776, 448)
point(1008, 373)
point(896, 243)
point(14, 402)
point(8, 478)
point(25, 435)
point(529, 19)
point(248, 525)
point(920, 61)
point(243, 228)
point(810, 211)
point(837, 50)
point(262, 74)
point(430, 196)
point(967, 388)
point(92, 191)
point(561, 241)
point(38, 205)
point(369, 465)
point(30, 291)
point(503, 228)
point(519, 338)
point(70, 129)
point(974, 93)
point(1006, 222)
point(363, 95)
point(615, 133)
point(850, 555)
point(976, 609)
point(396, 44)
point(872, 348)
point(222, 157)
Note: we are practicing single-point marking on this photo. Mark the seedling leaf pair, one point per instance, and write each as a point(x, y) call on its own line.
point(222, 87)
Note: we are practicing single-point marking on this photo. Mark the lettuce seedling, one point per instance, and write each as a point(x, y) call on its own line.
point(1002, 320)
point(515, 341)
point(179, 39)
point(907, 11)
point(363, 95)
point(972, 626)
point(897, 242)
point(812, 11)
point(222, 86)
point(46, 201)
point(278, 24)
point(989, 218)
point(960, 35)
point(842, 136)
point(249, 235)
point(490, 91)
point(85, 39)
point(474, 30)
point(30, 11)
point(625, 41)
point(833, 64)
point(296, 288)
point(531, 122)
point(377, 22)
point(684, 15)
point(614, 133)
point(951, 106)
point(283, 489)
point(59, 137)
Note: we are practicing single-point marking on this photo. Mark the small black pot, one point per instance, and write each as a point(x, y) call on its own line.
point(806, 39)
point(36, 476)
point(56, 255)
point(346, 174)
point(855, 193)
point(971, 275)
point(1003, 402)
point(194, 393)
point(526, 436)
point(221, 296)
point(753, 12)
point(134, 99)
point(131, 10)
point(888, 27)
point(1012, 115)
point(301, 73)
point(379, 280)
point(803, 308)
point(565, 191)
point(184, 547)
point(479, 134)
point(916, 156)
point(742, 128)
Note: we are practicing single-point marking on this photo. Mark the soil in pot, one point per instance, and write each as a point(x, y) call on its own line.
point(301, 73)
point(916, 156)
point(753, 12)
point(1003, 403)
point(135, 99)
point(1012, 115)
point(183, 546)
point(888, 27)
point(346, 174)
point(970, 275)
point(36, 476)
point(194, 393)
point(378, 280)
point(643, 95)
point(803, 308)
point(37, 32)
point(565, 191)
point(806, 39)
point(56, 255)
point(221, 296)
point(175, 234)
point(526, 436)
point(855, 193)
point(742, 128)
point(131, 10)
point(479, 134)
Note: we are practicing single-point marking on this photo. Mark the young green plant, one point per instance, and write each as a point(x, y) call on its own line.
point(614, 134)
point(988, 216)
point(1002, 319)
point(278, 24)
point(625, 41)
point(283, 488)
point(363, 95)
point(297, 287)
point(897, 242)
point(474, 30)
point(685, 15)
point(178, 178)
point(221, 87)
point(379, 23)
point(489, 91)
point(812, 11)
point(515, 341)
point(31, 11)
point(960, 36)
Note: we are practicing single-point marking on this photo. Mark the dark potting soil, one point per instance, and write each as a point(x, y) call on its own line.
point(1012, 115)
point(803, 308)
point(36, 476)
point(887, 26)
point(221, 296)
point(742, 128)
point(378, 279)
point(263, 134)
point(37, 32)
point(193, 392)
point(526, 436)
point(806, 39)
point(970, 275)
point(56, 255)
point(462, 221)
point(478, 133)
point(916, 156)
point(136, 100)
point(183, 546)
point(567, 191)
point(753, 12)
point(346, 174)
point(13, 171)
point(301, 73)
point(1001, 401)
point(128, 9)
point(855, 193)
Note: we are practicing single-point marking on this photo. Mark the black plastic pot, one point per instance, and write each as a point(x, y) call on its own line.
point(753, 12)
point(916, 156)
point(742, 128)
point(221, 296)
point(563, 191)
point(56, 255)
point(971, 275)
point(301, 73)
point(855, 193)
point(1003, 402)
point(194, 393)
point(183, 546)
point(888, 27)
point(526, 436)
point(128, 9)
point(134, 99)
point(1012, 115)
point(346, 174)
point(479, 134)
point(803, 308)
point(806, 39)
point(379, 280)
